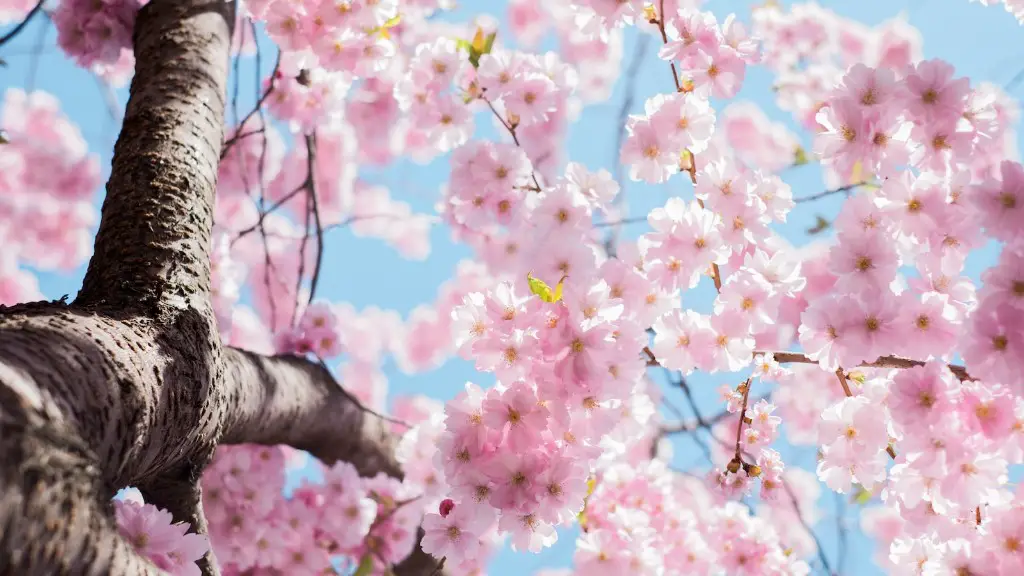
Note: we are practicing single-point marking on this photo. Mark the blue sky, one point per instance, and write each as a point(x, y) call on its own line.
point(985, 44)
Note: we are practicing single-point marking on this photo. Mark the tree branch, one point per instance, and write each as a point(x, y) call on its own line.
point(882, 362)
point(288, 400)
point(21, 25)
point(153, 245)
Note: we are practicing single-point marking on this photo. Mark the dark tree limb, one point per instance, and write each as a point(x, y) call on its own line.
point(153, 244)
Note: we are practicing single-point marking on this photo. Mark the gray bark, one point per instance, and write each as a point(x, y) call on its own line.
point(130, 384)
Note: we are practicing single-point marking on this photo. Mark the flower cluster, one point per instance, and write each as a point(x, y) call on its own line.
point(47, 183)
point(339, 35)
point(98, 35)
point(645, 521)
point(519, 454)
point(317, 332)
point(153, 533)
point(253, 526)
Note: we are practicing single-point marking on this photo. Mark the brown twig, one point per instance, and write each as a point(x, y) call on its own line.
point(846, 390)
point(664, 38)
point(882, 362)
point(743, 418)
point(256, 109)
point(515, 138)
point(315, 207)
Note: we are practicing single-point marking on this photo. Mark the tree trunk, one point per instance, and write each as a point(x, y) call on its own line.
point(130, 385)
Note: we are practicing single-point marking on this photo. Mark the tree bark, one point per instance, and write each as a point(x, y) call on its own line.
point(129, 384)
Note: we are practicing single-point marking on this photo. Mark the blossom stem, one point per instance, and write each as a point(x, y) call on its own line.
point(844, 383)
point(512, 131)
point(743, 417)
point(846, 389)
point(664, 38)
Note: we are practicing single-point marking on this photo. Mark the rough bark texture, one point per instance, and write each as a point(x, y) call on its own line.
point(129, 385)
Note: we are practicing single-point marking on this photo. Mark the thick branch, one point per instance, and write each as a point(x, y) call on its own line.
point(153, 245)
point(288, 400)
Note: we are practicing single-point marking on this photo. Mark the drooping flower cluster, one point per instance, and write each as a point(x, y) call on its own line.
point(153, 533)
point(520, 453)
point(344, 517)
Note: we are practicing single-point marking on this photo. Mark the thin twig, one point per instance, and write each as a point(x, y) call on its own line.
point(841, 533)
point(315, 206)
point(515, 138)
point(21, 25)
point(841, 190)
point(37, 51)
point(817, 541)
point(616, 223)
point(257, 109)
point(882, 362)
point(620, 135)
point(664, 39)
point(846, 390)
point(743, 417)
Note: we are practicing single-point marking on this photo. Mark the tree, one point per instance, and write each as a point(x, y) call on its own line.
point(129, 384)
point(133, 382)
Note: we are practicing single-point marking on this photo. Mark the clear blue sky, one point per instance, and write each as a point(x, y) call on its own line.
point(982, 43)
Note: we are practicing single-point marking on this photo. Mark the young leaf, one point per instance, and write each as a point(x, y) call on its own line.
point(820, 225)
point(365, 566)
point(558, 288)
point(489, 43)
point(540, 288)
point(478, 41)
point(800, 156)
point(860, 495)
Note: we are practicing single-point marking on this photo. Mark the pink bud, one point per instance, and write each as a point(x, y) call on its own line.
point(446, 507)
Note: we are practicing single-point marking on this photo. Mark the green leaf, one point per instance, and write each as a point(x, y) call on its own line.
point(540, 288)
point(365, 566)
point(860, 495)
point(558, 288)
point(582, 516)
point(489, 43)
point(479, 46)
point(800, 156)
point(820, 225)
